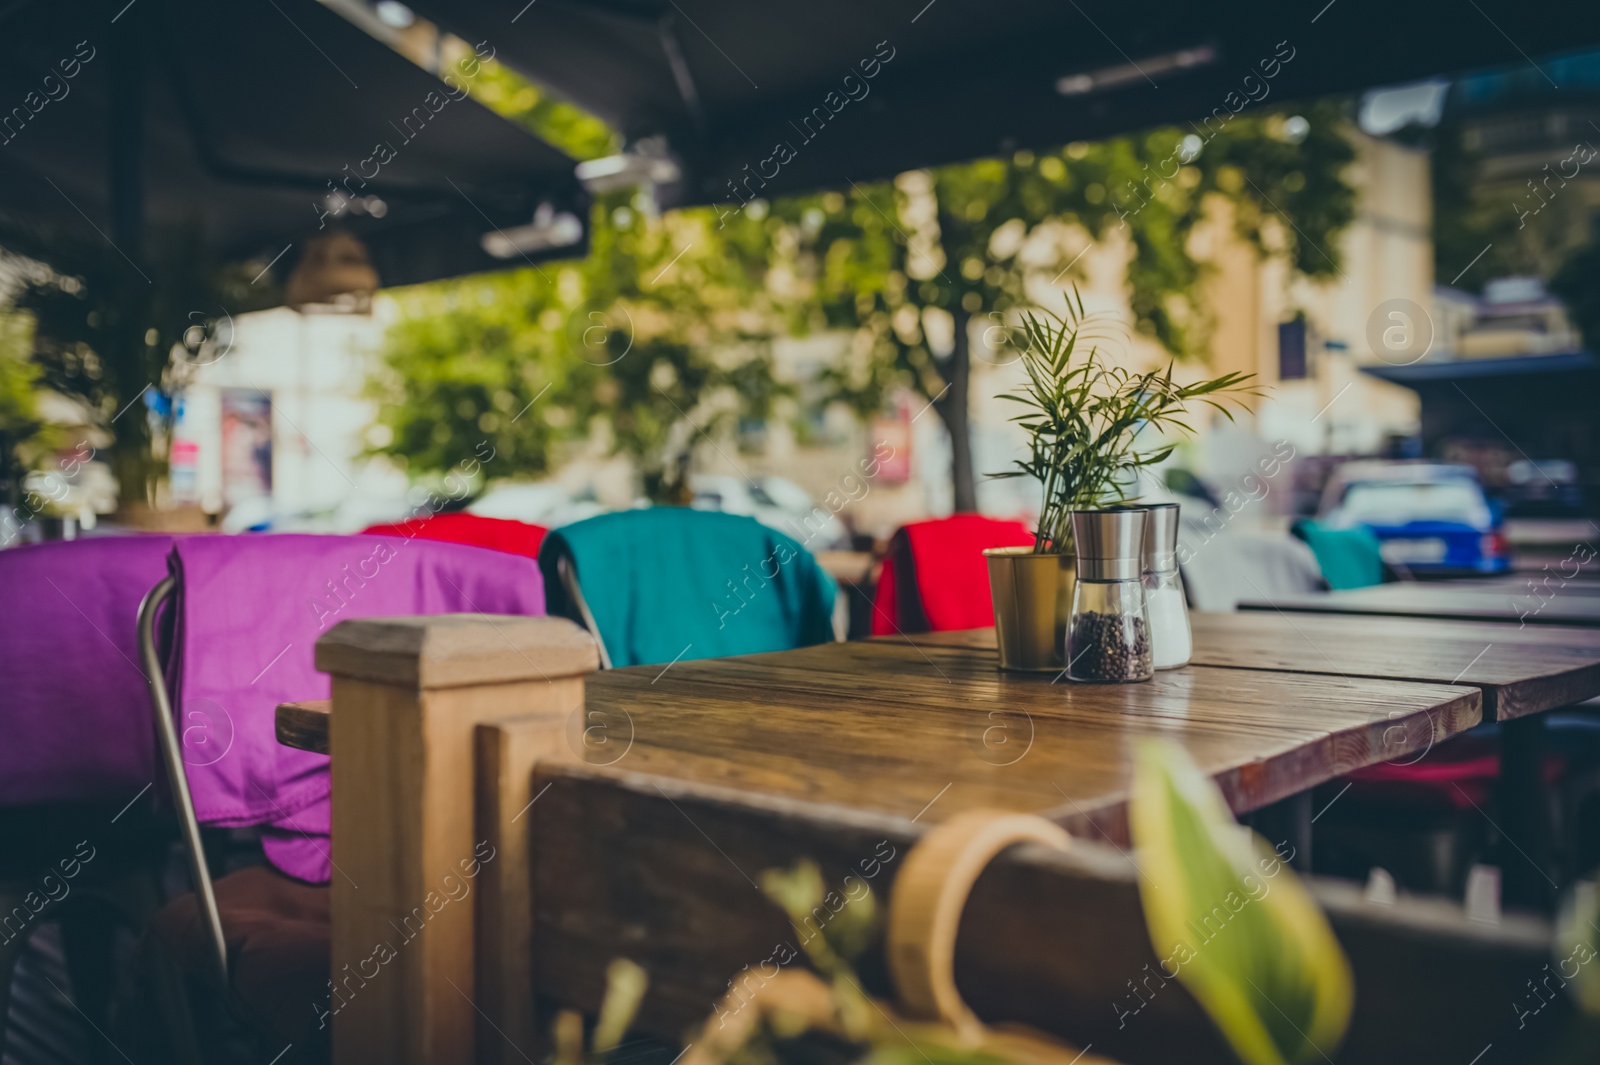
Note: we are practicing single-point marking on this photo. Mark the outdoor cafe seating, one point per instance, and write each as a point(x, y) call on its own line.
point(669, 584)
point(522, 742)
point(675, 786)
point(211, 605)
point(81, 747)
point(516, 797)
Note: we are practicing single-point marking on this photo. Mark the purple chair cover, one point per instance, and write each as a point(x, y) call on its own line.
point(250, 610)
point(76, 713)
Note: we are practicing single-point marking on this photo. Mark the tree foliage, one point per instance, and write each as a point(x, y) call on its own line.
point(659, 339)
point(104, 332)
point(1578, 285)
point(911, 264)
point(663, 332)
point(25, 437)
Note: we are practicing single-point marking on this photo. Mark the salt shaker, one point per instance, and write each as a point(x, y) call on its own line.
point(1170, 641)
point(1108, 638)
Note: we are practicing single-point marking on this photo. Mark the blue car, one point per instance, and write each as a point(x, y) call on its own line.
point(1429, 518)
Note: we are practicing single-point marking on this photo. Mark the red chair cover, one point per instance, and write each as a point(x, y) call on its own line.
point(935, 579)
point(1458, 776)
point(497, 534)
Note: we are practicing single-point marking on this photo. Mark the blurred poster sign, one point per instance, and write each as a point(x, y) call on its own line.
point(246, 445)
point(891, 443)
point(184, 471)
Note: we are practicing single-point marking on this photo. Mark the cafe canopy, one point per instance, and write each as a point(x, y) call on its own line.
point(115, 116)
point(862, 91)
point(264, 124)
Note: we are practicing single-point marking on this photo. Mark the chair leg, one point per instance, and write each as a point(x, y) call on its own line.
point(171, 993)
point(10, 953)
point(1527, 847)
point(88, 939)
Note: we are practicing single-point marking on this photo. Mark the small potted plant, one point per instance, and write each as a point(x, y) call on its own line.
point(1084, 415)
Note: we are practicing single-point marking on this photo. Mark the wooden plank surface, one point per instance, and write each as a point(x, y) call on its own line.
point(1558, 606)
point(1528, 582)
point(846, 567)
point(895, 727)
point(506, 751)
point(664, 873)
point(888, 726)
point(1520, 671)
point(304, 725)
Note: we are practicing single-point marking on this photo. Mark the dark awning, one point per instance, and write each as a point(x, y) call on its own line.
point(1446, 371)
point(727, 80)
point(250, 109)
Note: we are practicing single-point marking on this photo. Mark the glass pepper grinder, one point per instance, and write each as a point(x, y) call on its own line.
point(1108, 638)
point(1170, 641)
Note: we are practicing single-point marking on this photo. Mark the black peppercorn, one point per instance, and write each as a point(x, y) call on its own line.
point(1108, 647)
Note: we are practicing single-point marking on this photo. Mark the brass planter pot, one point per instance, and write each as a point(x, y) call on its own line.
point(1032, 605)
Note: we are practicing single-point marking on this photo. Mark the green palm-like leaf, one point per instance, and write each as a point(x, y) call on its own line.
point(1244, 936)
point(1083, 413)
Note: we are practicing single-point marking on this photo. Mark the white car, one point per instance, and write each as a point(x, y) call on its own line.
point(547, 504)
point(776, 502)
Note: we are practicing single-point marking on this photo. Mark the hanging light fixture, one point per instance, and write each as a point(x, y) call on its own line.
point(334, 276)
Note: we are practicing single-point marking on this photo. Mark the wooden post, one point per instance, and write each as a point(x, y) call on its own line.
point(508, 752)
point(408, 859)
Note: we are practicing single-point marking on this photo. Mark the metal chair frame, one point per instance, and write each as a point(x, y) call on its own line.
point(177, 779)
point(569, 582)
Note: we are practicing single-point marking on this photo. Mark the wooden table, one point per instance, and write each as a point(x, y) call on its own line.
point(454, 731)
point(1558, 606)
point(1527, 823)
point(846, 567)
point(1528, 583)
point(1521, 671)
point(853, 571)
point(903, 728)
point(304, 725)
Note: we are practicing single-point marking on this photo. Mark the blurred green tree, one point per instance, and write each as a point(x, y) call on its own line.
point(665, 329)
point(914, 266)
point(105, 334)
point(1578, 285)
point(1477, 235)
point(25, 437)
point(659, 339)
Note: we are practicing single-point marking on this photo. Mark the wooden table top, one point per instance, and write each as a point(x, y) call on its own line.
point(896, 727)
point(304, 725)
point(1547, 583)
point(1558, 606)
point(1520, 671)
point(846, 567)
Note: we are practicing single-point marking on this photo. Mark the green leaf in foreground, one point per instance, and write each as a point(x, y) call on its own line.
point(1231, 921)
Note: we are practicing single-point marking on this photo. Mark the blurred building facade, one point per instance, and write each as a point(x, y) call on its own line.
point(1510, 386)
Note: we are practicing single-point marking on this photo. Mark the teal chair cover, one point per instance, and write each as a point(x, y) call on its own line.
point(671, 584)
point(1348, 558)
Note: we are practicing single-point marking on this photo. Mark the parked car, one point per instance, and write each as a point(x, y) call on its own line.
point(773, 501)
point(1547, 488)
point(547, 504)
point(1429, 517)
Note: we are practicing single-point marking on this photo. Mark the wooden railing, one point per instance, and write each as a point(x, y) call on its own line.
point(471, 837)
point(410, 865)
